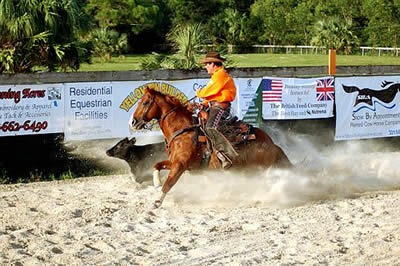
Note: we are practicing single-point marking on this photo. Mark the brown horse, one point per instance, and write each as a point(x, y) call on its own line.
point(185, 151)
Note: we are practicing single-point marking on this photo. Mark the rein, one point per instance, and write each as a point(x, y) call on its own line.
point(180, 131)
point(170, 111)
point(191, 99)
point(166, 114)
point(161, 121)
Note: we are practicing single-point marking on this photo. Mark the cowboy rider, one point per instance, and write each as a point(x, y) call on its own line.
point(218, 94)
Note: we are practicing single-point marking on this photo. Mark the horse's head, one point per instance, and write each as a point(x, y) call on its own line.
point(146, 110)
point(394, 86)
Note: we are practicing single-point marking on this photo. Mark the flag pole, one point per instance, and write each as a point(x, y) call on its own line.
point(332, 62)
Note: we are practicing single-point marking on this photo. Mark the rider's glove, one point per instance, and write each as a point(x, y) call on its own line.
point(200, 106)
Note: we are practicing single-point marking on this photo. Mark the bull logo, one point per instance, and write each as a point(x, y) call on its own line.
point(372, 97)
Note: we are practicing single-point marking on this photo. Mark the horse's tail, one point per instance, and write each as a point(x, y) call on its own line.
point(283, 161)
point(305, 160)
point(303, 164)
point(350, 89)
point(286, 164)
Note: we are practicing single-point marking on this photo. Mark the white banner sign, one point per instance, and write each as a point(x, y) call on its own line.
point(31, 109)
point(128, 94)
point(88, 110)
point(367, 107)
point(102, 110)
point(295, 98)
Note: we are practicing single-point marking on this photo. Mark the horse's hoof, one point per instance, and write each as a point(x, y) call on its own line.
point(158, 188)
point(157, 204)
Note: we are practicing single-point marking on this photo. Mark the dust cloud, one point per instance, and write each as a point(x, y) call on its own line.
point(321, 172)
point(95, 150)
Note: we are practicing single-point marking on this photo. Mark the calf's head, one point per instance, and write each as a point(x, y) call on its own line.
point(122, 149)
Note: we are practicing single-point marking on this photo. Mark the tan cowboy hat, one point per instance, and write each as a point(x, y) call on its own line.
point(212, 57)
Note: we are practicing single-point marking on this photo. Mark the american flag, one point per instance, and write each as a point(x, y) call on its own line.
point(272, 90)
point(325, 89)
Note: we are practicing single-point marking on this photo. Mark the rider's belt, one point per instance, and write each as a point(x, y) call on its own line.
point(222, 105)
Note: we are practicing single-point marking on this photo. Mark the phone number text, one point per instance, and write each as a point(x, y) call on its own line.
point(28, 125)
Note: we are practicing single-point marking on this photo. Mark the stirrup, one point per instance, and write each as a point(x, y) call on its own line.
point(225, 161)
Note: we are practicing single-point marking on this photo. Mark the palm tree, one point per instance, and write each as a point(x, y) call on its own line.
point(187, 41)
point(42, 33)
point(334, 33)
point(235, 22)
point(108, 43)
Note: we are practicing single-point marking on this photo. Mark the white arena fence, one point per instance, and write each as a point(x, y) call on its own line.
point(309, 49)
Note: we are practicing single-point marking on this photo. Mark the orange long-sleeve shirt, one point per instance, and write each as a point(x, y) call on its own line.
point(220, 88)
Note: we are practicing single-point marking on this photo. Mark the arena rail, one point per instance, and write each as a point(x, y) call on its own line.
point(98, 76)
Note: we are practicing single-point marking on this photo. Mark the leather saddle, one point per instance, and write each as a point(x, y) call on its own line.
point(236, 131)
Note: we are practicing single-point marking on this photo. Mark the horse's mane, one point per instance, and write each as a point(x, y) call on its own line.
point(169, 98)
point(173, 100)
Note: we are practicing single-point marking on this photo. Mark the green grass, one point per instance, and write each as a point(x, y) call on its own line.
point(123, 63)
point(286, 60)
point(132, 62)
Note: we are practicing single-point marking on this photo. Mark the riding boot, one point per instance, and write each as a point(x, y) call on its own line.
point(225, 151)
point(225, 161)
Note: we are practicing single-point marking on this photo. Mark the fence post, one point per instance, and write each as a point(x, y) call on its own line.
point(332, 62)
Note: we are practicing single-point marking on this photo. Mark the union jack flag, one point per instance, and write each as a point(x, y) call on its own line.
point(272, 90)
point(325, 89)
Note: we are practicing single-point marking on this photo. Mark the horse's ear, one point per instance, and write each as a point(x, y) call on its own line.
point(148, 89)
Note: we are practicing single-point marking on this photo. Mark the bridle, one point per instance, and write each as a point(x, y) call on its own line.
point(146, 108)
point(166, 114)
point(149, 106)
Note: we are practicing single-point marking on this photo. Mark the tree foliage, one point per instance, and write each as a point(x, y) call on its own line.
point(193, 11)
point(43, 34)
point(108, 43)
point(136, 15)
point(383, 24)
point(235, 25)
point(48, 33)
point(277, 20)
point(334, 33)
point(142, 20)
point(187, 42)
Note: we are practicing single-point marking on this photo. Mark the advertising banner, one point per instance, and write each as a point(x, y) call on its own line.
point(88, 110)
point(297, 98)
point(128, 94)
point(31, 109)
point(367, 107)
point(246, 98)
point(98, 110)
point(103, 109)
